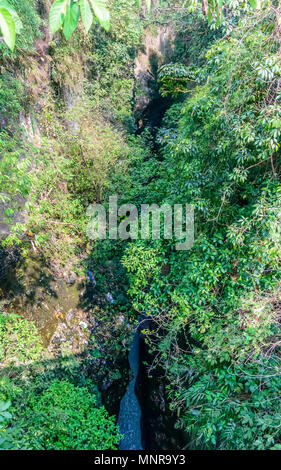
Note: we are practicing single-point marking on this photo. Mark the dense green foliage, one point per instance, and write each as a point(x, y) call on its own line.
point(66, 172)
point(27, 22)
point(218, 304)
point(19, 340)
point(66, 417)
point(46, 412)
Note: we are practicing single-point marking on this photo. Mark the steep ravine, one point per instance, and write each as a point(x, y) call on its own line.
point(144, 418)
point(54, 299)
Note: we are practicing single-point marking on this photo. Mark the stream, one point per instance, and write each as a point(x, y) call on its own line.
point(144, 417)
point(129, 420)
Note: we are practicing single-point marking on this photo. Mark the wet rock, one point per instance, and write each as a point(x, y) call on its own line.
point(69, 317)
point(109, 298)
point(72, 333)
point(91, 278)
point(71, 279)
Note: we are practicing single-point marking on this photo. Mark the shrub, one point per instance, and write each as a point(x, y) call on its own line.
point(66, 417)
point(19, 339)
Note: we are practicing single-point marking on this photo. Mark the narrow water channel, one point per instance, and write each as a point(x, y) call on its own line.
point(129, 419)
point(145, 419)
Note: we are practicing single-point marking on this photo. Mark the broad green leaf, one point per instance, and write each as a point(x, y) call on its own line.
point(102, 13)
point(253, 3)
point(17, 20)
point(57, 15)
point(6, 414)
point(4, 405)
point(86, 14)
point(8, 29)
point(71, 19)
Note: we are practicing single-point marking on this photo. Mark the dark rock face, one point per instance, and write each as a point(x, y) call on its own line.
point(157, 50)
point(158, 423)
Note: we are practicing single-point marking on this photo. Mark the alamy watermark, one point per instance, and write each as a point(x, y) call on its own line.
point(154, 221)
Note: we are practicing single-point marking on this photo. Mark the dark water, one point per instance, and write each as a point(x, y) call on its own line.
point(145, 418)
point(129, 420)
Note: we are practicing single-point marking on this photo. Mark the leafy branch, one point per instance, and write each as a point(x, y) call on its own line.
point(10, 23)
point(65, 14)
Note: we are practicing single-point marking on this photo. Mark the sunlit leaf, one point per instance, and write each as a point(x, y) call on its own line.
point(57, 15)
point(86, 14)
point(8, 29)
point(17, 20)
point(71, 19)
point(253, 3)
point(102, 13)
